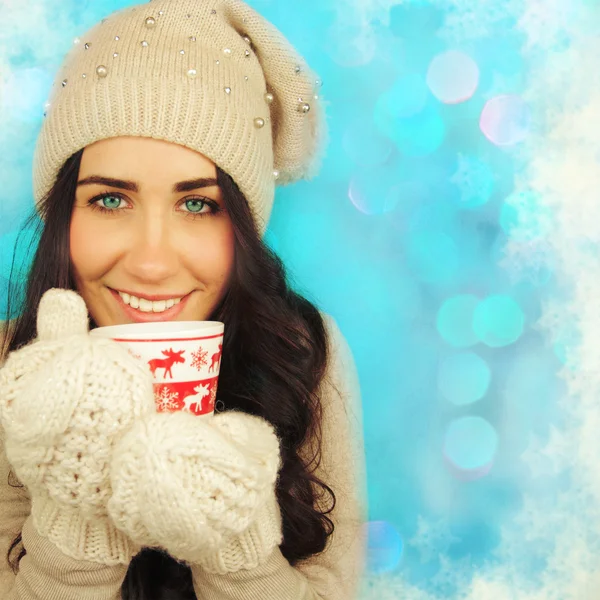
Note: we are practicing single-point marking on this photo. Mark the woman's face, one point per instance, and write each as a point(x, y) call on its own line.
point(149, 233)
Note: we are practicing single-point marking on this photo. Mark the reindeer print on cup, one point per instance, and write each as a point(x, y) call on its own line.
point(216, 359)
point(201, 392)
point(183, 358)
point(166, 363)
point(196, 397)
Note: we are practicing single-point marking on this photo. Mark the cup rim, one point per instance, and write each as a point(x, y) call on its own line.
point(168, 329)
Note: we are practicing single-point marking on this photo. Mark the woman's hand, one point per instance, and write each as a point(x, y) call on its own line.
point(65, 400)
point(202, 488)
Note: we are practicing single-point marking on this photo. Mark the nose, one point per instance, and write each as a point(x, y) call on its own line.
point(152, 257)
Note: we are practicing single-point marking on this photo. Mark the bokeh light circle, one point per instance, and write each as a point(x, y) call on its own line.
point(464, 378)
point(420, 135)
point(505, 120)
point(406, 98)
point(404, 114)
point(453, 77)
point(498, 321)
point(455, 320)
point(470, 446)
point(385, 546)
point(374, 190)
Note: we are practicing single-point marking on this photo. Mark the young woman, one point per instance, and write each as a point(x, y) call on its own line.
point(154, 175)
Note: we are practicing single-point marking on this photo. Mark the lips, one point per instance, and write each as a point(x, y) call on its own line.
point(148, 317)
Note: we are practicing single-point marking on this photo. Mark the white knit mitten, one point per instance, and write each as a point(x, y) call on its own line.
point(202, 489)
point(65, 400)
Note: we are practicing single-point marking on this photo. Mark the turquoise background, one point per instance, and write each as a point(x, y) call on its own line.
point(401, 238)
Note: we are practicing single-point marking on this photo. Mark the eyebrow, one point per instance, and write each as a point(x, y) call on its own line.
point(132, 186)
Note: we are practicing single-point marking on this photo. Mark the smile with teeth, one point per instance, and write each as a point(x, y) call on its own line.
point(148, 306)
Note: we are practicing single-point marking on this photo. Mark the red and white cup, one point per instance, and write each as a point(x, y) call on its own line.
point(183, 357)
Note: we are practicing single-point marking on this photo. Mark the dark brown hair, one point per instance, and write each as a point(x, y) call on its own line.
point(274, 358)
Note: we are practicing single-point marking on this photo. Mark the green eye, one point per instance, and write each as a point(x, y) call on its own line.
point(195, 206)
point(111, 201)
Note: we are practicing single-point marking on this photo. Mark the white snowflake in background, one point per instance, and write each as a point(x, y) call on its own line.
point(469, 20)
point(537, 518)
point(452, 575)
point(166, 400)
point(538, 463)
point(556, 323)
point(199, 358)
point(432, 538)
point(526, 259)
point(551, 458)
point(547, 22)
point(474, 180)
point(559, 449)
point(390, 586)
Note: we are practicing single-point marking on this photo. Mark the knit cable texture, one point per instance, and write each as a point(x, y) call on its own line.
point(204, 489)
point(65, 399)
point(108, 475)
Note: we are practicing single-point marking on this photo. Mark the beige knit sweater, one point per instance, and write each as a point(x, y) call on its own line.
point(48, 574)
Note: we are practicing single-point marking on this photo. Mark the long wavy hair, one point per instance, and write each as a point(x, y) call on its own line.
point(274, 358)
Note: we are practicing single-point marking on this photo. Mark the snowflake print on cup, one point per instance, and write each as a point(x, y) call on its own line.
point(199, 358)
point(166, 400)
point(132, 353)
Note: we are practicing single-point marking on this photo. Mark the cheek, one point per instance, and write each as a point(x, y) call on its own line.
point(90, 247)
point(211, 258)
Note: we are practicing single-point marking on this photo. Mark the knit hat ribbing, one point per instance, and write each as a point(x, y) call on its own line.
point(214, 76)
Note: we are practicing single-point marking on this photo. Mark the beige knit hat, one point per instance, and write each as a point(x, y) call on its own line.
point(212, 75)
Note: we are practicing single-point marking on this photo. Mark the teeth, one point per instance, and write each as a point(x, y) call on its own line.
point(159, 306)
point(145, 305)
point(148, 306)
